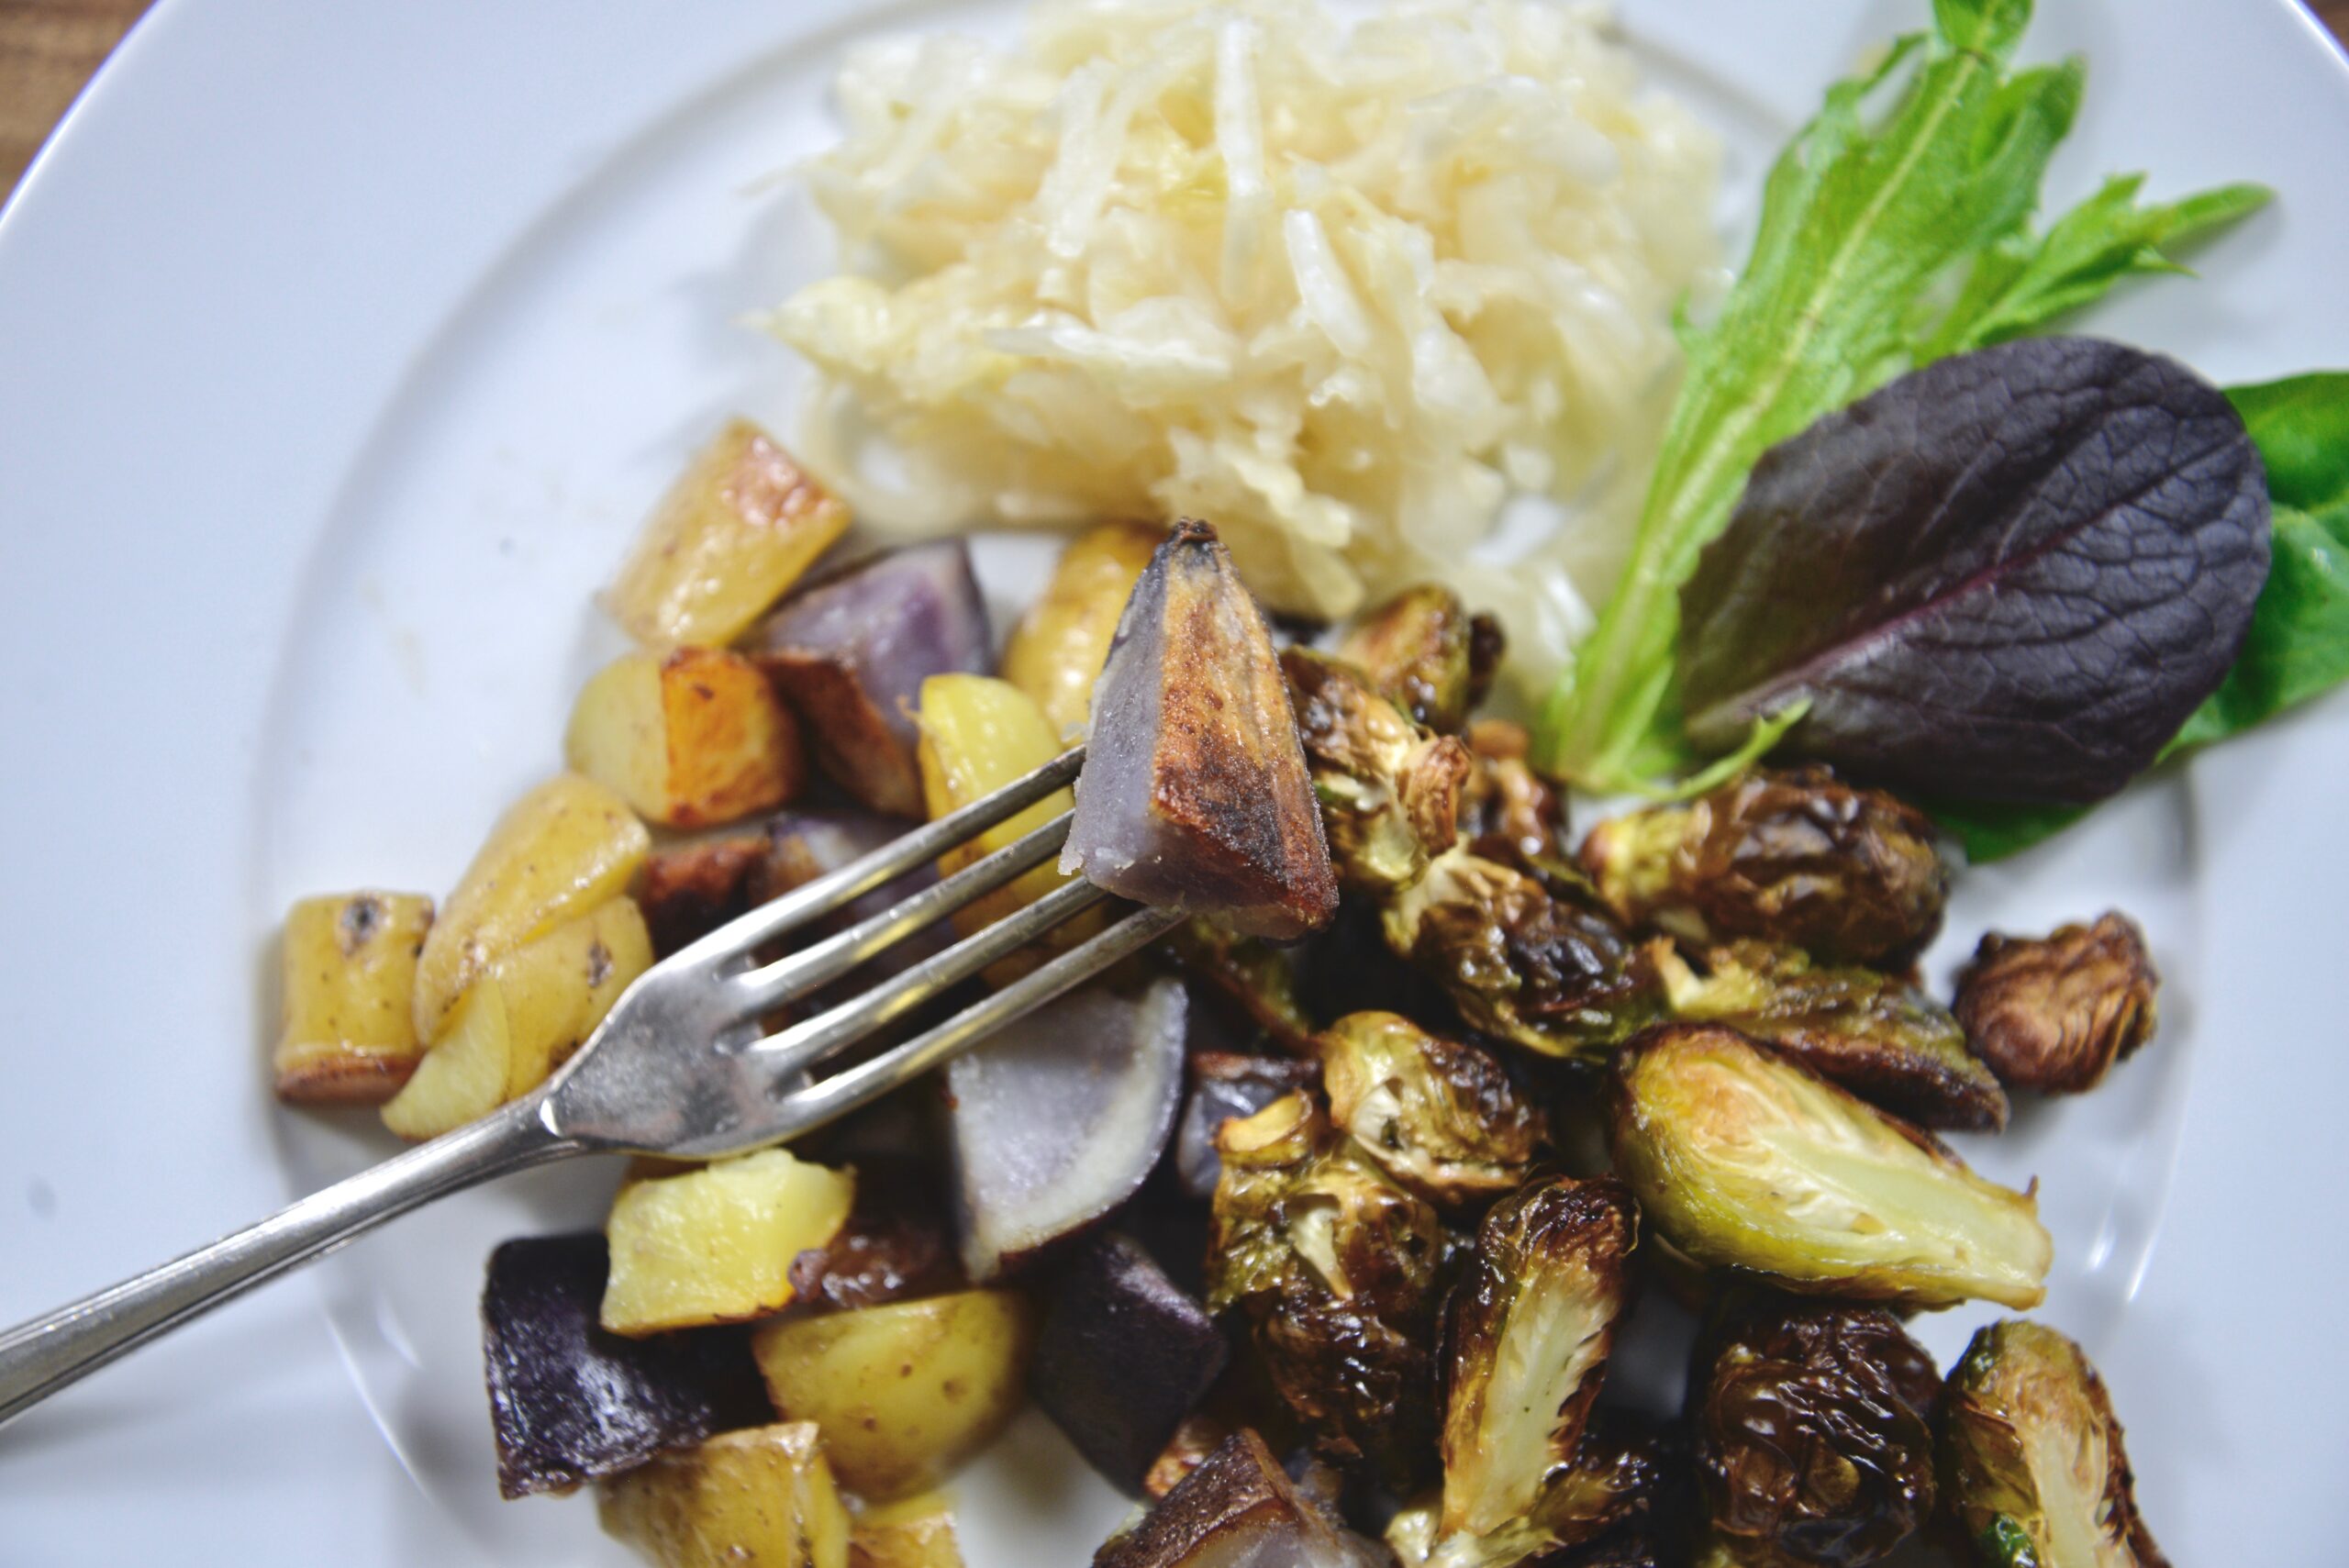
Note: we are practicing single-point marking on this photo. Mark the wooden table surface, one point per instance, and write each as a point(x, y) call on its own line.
point(47, 48)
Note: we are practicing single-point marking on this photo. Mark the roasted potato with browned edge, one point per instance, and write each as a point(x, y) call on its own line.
point(715, 1245)
point(349, 973)
point(761, 1498)
point(695, 738)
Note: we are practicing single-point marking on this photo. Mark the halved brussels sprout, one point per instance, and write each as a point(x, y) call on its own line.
point(2055, 1014)
point(1881, 1038)
point(1849, 876)
point(1424, 648)
point(1389, 790)
point(1814, 1427)
point(1618, 1504)
point(1528, 1335)
point(1439, 1116)
point(1745, 1160)
point(2032, 1461)
point(1338, 1271)
point(1521, 963)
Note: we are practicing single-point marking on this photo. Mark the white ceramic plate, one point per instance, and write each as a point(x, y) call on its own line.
point(342, 348)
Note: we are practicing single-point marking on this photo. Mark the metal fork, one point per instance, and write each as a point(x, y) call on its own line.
point(678, 1067)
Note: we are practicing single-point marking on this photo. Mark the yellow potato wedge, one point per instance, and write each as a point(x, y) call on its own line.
point(978, 734)
point(562, 850)
point(715, 1245)
point(759, 1498)
point(1059, 645)
point(463, 1078)
point(694, 739)
point(559, 988)
point(739, 528)
point(916, 1533)
point(903, 1392)
point(348, 1035)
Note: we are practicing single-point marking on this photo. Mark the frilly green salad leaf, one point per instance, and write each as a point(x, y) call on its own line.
point(1870, 216)
point(2299, 642)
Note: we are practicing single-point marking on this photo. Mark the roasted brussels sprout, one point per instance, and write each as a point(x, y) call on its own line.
point(1437, 1116)
point(1389, 790)
point(1616, 1504)
point(1527, 1337)
point(1881, 1038)
point(1338, 1271)
point(1424, 648)
point(1813, 1424)
point(2032, 1462)
point(2054, 1014)
point(1226, 1087)
point(1508, 812)
point(1849, 876)
point(1254, 977)
point(1521, 964)
point(1743, 1158)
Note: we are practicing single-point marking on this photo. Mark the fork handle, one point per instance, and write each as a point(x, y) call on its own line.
point(39, 1357)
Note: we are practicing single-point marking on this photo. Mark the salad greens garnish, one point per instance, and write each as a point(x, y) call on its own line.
point(1870, 220)
point(2298, 643)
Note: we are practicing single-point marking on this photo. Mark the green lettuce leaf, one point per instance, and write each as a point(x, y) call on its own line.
point(1869, 217)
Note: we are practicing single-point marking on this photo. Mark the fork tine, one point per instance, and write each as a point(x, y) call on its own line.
point(757, 990)
point(813, 900)
point(810, 1105)
point(813, 1039)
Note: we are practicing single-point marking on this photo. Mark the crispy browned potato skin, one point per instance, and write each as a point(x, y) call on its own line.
point(852, 739)
point(759, 1498)
point(1058, 648)
point(740, 526)
point(905, 1391)
point(349, 1032)
point(2056, 1013)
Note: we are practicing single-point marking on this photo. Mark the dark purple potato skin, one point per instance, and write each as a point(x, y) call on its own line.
point(1122, 1358)
point(849, 653)
point(1238, 1506)
point(897, 1243)
point(1223, 1088)
point(569, 1402)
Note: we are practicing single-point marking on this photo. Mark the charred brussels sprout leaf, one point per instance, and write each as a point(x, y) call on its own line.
point(1528, 1335)
point(1336, 1269)
point(1254, 977)
point(1849, 876)
point(1742, 1158)
point(2054, 1014)
point(2032, 1462)
point(1814, 1433)
point(1389, 790)
point(1508, 812)
point(1437, 1116)
point(1521, 963)
point(1424, 650)
point(1881, 1038)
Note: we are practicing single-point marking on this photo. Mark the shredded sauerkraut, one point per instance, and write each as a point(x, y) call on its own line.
point(1340, 291)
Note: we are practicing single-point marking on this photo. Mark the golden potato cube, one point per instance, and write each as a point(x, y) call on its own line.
point(978, 734)
point(1059, 646)
point(463, 1078)
point(916, 1533)
point(739, 528)
point(761, 1498)
point(905, 1391)
point(350, 968)
point(692, 740)
point(562, 850)
point(715, 1245)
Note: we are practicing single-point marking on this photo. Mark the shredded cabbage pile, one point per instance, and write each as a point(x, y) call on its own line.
point(1339, 291)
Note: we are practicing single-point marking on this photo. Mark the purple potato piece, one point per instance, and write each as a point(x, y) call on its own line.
point(850, 654)
point(1059, 1118)
point(569, 1402)
point(1223, 1088)
point(1123, 1356)
point(1195, 794)
point(688, 890)
point(1237, 1509)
